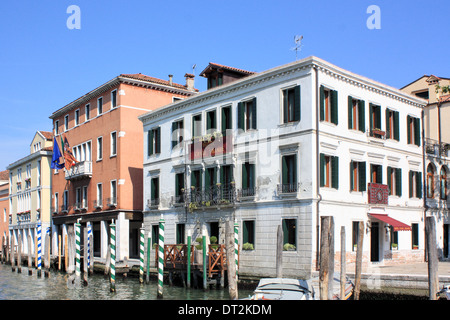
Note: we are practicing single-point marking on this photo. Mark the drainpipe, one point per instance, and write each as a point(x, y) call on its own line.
point(424, 189)
point(319, 196)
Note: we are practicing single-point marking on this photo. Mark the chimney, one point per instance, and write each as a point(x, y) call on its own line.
point(189, 81)
point(170, 79)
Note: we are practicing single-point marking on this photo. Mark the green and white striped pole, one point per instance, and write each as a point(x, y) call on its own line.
point(236, 246)
point(204, 260)
point(113, 258)
point(77, 246)
point(149, 246)
point(189, 259)
point(161, 258)
point(141, 257)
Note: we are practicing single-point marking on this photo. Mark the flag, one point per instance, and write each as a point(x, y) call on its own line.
point(56, 155)
point(69, 159)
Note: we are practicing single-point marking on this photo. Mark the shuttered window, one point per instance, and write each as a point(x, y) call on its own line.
point(247, 115)
point(356, 114)
point(413, 125)
point(392, 125)
point(394, 176)
point(357, 176)
point(291, 104)
point(328, 105)
point(177, 132)
point(329, 171)
point(211, 123)
point(227, 123)
point(415, 184)
point(154, 141)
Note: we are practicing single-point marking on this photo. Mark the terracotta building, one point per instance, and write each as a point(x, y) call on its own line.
point(4, 206)
point(102, 130)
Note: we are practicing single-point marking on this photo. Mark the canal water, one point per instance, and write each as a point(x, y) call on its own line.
point(21, 286)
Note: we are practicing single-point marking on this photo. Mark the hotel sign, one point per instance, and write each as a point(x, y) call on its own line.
point(378, 193)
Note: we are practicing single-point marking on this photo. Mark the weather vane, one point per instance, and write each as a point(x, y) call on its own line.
point(298, 44)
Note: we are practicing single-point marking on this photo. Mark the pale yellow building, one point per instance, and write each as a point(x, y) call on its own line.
point(30, 191)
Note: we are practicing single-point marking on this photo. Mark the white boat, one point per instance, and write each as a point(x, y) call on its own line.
point(297, 289)
point(444, 294)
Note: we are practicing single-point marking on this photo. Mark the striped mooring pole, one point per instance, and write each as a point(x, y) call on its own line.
point(149, 245)
point(161, 258)
point(89, 226)
point(39, 246)
point(113, 258)
point(141, 257)
point(236, 246)
point(77, 247)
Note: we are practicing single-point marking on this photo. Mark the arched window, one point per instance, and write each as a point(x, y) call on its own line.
point(430, 181)
point(443, 183)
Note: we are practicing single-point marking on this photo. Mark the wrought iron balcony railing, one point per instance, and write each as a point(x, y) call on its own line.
point(112, 202)
point(432, 147)
point(151, 203)
point(287, 188)
point(210, 197)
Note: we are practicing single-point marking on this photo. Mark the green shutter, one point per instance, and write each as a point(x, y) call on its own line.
point(252, 176)
point(285, 232)
point(254, 117)
point(322, 103)
point(379, 174)
point(285, 106)
point(322, 170)
point(396, 126)
point(241, 118)
point(334, 107)
point(408, 120)
point(411, 184)
point(297, 104)
point(362, 176)
point(335, 172)
point(362, 116)
point(351, 175)
point(398, 182)
point(284, 170)
point(388, 131)
point(207, 179)
point(350, 112)
point(158, 140)
point(174, 138)
point(371, 117)
point(417, 131)
point(244, 176)
point(389, 180)
point(177, 185)
point(419, 184)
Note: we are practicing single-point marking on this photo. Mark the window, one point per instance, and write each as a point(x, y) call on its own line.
point(180, 232)
point(291, 104)
point(443, 184)
point(78, 198)
point(77, 117)
point(356, 114)
point(211, 123)
point(56, 127)
point(392, 125)
point(99, 106)
point(329, 171)
point(227, 123)
point(215, 80)
point(226, 175)
point(179, 187)
point(154, 141)
point(197, 125)
point(248, 235)
point(430, 181)
point(66, 122)
point(177, 132)
point(328, 105)
point(355, 235)
point(376, 173)
point(113, 99)
point(56, 202)
point(113, 194)
point(84, 201)
point(394, 239)
point(248, 179)
point(154, 189)
point(415, 236)
point(99, 201)
point(210, 177)
point(289, 234)
point(289, 174)
point(196, 179)
point(65, 200)
point(415, 184)
point(87, 112)
point(38, 166)
point(413, 125)
point(113, 143)
point(357, 176)
point(247, 115)
point(99, 148)
point(375, 121)
point(394, 176)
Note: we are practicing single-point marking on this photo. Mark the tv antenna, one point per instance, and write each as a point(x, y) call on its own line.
point(298, 45)
point(193, 68)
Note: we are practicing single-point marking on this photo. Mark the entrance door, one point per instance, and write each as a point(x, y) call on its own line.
point(374, 243)
point(446, 244)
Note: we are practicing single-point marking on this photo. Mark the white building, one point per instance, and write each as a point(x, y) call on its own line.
point(303, 140)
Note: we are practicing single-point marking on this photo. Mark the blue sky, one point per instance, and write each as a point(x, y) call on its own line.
point(45, 65)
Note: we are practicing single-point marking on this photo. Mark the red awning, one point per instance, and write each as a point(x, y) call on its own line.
point(396, 225)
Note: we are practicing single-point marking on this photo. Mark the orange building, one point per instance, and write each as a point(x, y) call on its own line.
point(4, 206)
point(106, 138)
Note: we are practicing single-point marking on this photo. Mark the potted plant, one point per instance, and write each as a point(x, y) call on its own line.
point(289, 247)
point(213, 240)
point(247, 246)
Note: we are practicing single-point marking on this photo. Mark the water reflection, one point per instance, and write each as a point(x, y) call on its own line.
point(21, 286)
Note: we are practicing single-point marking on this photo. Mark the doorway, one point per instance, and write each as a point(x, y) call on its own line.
point(446, 231)
point(375, 242)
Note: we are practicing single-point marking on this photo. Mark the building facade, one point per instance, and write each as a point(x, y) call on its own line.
point(4, 206)
point(285, 147)
point(102, 132)
point(30, 192)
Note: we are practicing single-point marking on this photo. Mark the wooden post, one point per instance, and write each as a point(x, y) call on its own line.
point(188, 260)
point(279, 257)
point(35, 252)
point(30, 256)
point(19, 254)
point(358, 266)
point(66, 254)
point(331, 259)
point(343, 263)
point(324, 257)
point(86, 257)
point(433, 277)
point(12, 254)
point(7, 249)
point(47, 254)
point(231, 265)
point(59, 252)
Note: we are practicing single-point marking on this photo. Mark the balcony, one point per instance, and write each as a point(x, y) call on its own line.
point(98, 204)
point(81, 170)
point(112, 202)
point(213, 196)
point(433, 148)
point(153, 203)
point(289, 188)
